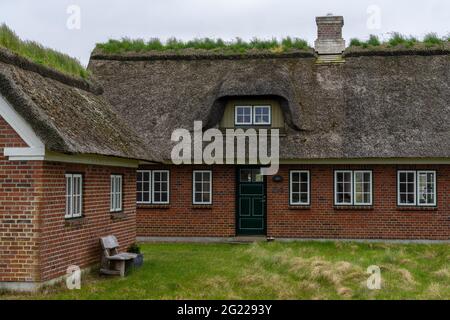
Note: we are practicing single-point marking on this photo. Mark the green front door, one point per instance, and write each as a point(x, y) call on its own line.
point(251, 202)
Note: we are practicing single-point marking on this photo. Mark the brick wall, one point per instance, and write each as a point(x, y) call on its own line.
point(384, 221)
point(36, 242)
point(329, 27)
point(181, 217)
point(76, 242)
point(19, 184)
point(320, 220)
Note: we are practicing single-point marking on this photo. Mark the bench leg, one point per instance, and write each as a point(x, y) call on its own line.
point(122, 268)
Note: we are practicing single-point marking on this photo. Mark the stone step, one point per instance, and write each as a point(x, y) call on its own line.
point(330, 58)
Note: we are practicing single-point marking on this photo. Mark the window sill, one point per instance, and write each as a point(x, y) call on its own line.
point(368, 208)
point(416, 208)
point(153, 206)
point(118, 215)
point(75, 222)
point(299, 207)
point(202, 206)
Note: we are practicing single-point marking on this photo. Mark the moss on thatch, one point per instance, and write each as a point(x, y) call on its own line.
point(68, 114)
point(40, 54)
point(367, 107)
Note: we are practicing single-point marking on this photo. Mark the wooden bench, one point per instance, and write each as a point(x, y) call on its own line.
point(113, 261)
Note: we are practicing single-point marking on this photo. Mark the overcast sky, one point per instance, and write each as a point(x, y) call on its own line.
point(46, 20)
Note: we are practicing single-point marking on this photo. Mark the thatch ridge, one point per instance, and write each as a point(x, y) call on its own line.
point(384, 51)
point(199, 54)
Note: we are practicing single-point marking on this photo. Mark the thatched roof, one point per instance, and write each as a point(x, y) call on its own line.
point(391, 105)
point(68, 114)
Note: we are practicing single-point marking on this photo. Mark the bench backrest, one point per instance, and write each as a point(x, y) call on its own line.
point(110, 245)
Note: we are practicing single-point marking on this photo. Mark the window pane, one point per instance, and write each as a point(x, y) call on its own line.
point(143, 186)
point(347, 187)
point(202, 185)
point(304, 187)
point(244, 115)
point(160, 187)
point(197, 186)
point(68, 196)
point(262, 114)
point(425, 185)
point(363, 187)
point(407, 189)
point(246, 175)
point(343, 186)
point(303, 197)
point(257, 176)
point(299, 187)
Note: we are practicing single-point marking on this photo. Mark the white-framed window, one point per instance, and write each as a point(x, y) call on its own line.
point(362, 188)
point(160, 186)
point(152, 186)
point(261, 115)
point(74, 195)
point(243, 115)
point(416, 188)
point(116, 193)
point(143, 186)
point(353, 187)
point(406, 184)
point(202, 187)
point(253, 115)
point(299, 187)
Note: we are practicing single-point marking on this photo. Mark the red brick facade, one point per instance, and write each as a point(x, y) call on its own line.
point(36, 242)
point(383, 220)
point(19, 185)
point(182, 218)
point(76, 242)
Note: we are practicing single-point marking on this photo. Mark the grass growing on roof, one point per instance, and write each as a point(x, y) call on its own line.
point(238, 45)
point(298, 270)
point(397, 39)
point(40, 54)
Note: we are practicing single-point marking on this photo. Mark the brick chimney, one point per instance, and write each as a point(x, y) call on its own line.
point(329, 39)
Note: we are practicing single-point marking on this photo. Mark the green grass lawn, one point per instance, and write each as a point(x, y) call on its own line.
point(299, 270)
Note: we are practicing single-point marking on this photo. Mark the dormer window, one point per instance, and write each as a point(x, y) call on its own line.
point(243, 115)
point(261, 115)
point(252, 115)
